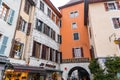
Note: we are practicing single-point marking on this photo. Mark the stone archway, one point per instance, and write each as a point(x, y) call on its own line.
point(78, 73)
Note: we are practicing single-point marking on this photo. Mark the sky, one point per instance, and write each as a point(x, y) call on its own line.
point(59, 3)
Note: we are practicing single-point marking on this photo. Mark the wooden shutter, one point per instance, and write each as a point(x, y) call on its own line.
point(118, 5)
point(34, 48)
point(60, 57)
point(56, 58)
point(19, 23)
point(73, 52)
point(82, 55)
point(28, 29)
point(11, 16)
point(106, 6)
point(3, 46)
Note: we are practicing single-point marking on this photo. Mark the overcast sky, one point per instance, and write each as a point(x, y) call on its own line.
point(59, 3)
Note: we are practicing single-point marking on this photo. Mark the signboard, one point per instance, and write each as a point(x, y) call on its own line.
point(76, 60)
point(117, 41)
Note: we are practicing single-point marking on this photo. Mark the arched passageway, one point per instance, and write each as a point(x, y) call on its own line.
point(78, 73)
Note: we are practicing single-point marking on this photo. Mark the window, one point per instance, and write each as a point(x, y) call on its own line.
point(53, 17)
point(45, 52)
point(51, 51)
point(49, 13)
point(76, 36)
point(112, 6)
point(4, 10)
point(47, 30)
point(77, 52)
point(41, 6)
point(36, 49)
point(74, 14)
point(17, 50)
point(27, 7)
point(74, 25)
point(39, 25)
point(116, 22)
point(52, 34)
point(59, 39)
point(22, 24)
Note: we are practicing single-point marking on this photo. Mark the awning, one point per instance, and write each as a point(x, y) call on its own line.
point(29, 69)
point(53, 70)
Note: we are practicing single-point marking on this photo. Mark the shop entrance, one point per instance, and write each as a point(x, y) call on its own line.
point(78, 73)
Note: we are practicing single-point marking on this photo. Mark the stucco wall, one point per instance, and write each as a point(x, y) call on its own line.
point(103, 30)
point(5, 28)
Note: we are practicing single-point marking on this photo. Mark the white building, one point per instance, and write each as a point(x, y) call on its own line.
point(45, 42)
point(9, 10)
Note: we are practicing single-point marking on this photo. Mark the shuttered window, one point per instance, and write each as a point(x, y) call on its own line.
point(27, 7)
point(4, 11)
point(112, 6)
point(39, 25)
point(41, 6)
point(77, 52)
point(49, 12)
point(116, 22)
point(36, 49)
point(3, 45)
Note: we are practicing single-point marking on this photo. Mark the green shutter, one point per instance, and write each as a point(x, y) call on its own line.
point(3, 46)
point(11, 16)
point(0, 2)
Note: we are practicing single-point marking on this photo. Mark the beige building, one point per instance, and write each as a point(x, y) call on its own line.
point(104, 27)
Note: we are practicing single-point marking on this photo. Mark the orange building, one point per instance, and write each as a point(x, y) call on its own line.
point(75, 40)
point(74, 33)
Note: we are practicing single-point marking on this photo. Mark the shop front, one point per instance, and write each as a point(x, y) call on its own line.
point(3, 61)
point(53, 74)
point(23, 72)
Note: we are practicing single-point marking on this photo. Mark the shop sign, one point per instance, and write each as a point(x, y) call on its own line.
point(47, 65)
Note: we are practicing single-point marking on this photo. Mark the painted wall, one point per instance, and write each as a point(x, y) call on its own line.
point(103, 30)
point(67, 32)
point(69, 66)
point(5, 28)
point(41, 37)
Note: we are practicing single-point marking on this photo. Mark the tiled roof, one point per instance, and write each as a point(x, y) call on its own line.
point(73, 1)
point(70, 3)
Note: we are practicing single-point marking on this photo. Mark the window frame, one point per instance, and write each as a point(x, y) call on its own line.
point(42, 6)
point(74, 36)
point(78, 55)
point(114, 24)
point(73, 26)
point(27, 7)
point(3, 7)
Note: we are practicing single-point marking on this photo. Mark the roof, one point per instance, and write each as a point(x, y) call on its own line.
point(49, 3)
point(95, 1)
point(70, 3)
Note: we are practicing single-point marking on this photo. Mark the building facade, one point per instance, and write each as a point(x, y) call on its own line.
point(104, 27)
point(45, 41)
point(8, 19)
point(19, 55)
point(75, 41)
